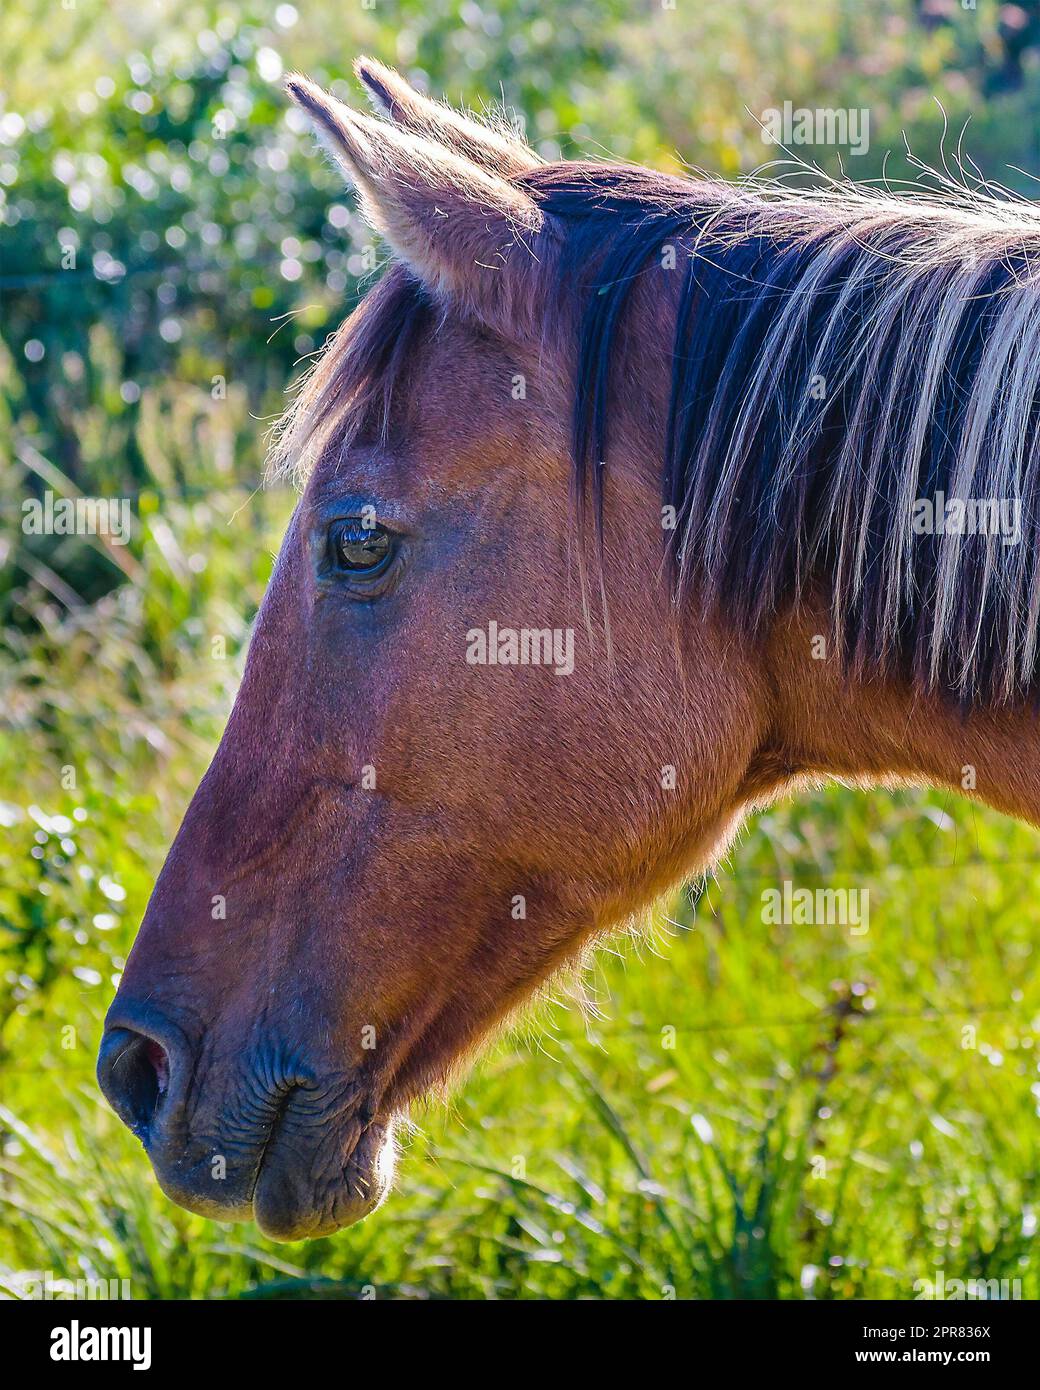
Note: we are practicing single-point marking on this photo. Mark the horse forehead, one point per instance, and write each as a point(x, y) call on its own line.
point(453, 456)
point(362, 468)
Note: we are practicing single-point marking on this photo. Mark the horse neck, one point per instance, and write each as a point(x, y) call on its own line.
point(827, 722)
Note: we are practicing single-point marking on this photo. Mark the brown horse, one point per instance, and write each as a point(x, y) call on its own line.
point(630, 503)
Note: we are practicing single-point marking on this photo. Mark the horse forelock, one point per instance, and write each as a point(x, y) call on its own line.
point(350, 387)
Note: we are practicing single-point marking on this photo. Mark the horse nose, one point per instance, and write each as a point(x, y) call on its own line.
point(137, 1070)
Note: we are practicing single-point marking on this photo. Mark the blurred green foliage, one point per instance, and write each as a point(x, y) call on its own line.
point(172, 247)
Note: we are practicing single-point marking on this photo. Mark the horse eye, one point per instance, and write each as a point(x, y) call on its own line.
point(360, 549)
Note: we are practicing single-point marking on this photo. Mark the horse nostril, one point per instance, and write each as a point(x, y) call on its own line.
point(156, 1054)
point(134, 1073)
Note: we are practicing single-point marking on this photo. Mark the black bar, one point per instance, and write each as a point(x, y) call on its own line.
point(243, 1336)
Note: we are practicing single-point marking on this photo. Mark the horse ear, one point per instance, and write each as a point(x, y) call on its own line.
point(462, 230)
point(498, 150)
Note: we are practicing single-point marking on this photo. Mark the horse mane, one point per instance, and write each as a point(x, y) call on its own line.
point(838, 355)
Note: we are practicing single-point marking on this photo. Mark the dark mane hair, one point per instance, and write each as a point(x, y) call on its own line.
point(838, 358)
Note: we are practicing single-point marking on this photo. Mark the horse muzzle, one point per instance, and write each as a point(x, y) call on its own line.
point(301, 1154)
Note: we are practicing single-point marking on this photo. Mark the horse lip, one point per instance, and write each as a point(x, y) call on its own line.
point(283, 1105)
point(282, 1196)
point(366, 1115)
